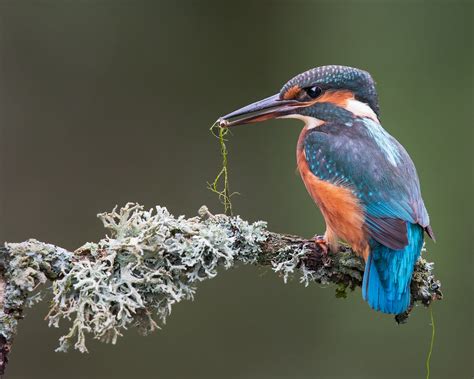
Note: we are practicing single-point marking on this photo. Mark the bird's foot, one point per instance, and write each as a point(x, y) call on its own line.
point(321, 242)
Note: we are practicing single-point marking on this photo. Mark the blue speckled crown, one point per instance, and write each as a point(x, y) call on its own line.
point(338, 77)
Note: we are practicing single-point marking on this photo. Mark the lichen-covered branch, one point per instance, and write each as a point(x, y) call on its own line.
point(151, 260)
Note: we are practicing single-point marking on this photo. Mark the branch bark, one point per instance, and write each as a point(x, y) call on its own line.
point(151, 260)
point(5, 344)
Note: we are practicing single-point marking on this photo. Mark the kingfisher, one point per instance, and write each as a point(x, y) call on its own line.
point(361, 178)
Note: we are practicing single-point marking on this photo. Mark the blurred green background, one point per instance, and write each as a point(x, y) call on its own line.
point(104, 102)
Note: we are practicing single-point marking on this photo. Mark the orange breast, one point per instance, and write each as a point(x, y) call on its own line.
point(341, 209)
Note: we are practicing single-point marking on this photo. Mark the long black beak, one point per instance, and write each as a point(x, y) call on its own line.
point(271, 107)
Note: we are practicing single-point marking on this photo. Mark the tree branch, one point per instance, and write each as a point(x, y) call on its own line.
point(151, 260)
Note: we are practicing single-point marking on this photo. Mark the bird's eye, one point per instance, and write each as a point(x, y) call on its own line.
point(314, 92)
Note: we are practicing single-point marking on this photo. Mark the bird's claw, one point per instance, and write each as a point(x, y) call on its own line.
point(321, 242)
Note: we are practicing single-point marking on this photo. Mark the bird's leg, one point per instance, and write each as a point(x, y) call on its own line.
point(322, 243)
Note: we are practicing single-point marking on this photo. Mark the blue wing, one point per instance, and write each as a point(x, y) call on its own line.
point(362, 156)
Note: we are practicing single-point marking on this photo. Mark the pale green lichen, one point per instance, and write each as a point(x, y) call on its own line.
point(150, 261)
point(29, 264)
point(288, 260)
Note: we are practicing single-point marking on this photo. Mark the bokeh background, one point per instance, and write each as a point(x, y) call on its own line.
point(104, 102)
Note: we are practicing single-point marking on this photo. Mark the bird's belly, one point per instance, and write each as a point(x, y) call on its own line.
point(341, 209)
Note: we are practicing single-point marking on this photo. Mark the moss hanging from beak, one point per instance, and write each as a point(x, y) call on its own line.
point(220, 185)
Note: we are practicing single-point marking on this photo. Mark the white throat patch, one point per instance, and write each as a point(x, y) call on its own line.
point(309, 122)
point(361, 109)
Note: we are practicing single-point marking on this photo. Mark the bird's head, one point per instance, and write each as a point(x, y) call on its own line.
point(314, 96)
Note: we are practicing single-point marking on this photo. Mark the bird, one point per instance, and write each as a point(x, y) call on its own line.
point(361, 178)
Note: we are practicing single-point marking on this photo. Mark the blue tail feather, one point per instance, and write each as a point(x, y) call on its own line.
point(388, 272)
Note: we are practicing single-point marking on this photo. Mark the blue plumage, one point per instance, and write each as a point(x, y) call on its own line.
point(387, 276)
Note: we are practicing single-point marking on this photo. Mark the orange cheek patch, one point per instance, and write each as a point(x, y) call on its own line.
point(338, 98)
point(292, 92)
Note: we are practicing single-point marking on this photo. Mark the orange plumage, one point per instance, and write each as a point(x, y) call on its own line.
point(341, 209)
